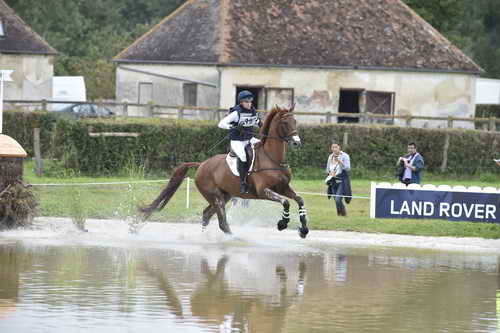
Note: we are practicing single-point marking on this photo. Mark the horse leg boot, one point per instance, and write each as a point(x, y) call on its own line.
point(243, 171)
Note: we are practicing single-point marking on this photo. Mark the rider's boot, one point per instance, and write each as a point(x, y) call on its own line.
point(243, 171)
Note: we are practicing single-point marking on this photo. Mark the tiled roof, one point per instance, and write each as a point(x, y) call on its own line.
point(18, 37)
point(373, 34)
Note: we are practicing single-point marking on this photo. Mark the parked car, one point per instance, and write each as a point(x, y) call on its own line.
point(86, 110)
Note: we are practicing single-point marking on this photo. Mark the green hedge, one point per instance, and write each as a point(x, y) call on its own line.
point(165, 143)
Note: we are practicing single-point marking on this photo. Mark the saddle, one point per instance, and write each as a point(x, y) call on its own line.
point(232, 159)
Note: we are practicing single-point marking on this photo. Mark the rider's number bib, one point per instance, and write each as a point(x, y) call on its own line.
point(248, 120)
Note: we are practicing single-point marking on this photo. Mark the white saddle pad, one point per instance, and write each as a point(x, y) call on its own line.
point(232, 162)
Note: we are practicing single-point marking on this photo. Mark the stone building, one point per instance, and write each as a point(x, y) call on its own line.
point(350, 56)
point(25, 52)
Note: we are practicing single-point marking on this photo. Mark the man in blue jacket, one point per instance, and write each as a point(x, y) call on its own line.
point(411, 166)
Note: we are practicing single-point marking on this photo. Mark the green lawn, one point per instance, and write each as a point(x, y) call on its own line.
point(121, 201)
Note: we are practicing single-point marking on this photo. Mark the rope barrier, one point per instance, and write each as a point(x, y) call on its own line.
point(333, 195)
point(107, 183)
point(187, 188)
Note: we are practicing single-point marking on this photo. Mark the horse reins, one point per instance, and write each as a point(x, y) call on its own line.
point(283, 165)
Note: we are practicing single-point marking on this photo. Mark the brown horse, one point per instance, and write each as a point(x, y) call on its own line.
point(269, 179)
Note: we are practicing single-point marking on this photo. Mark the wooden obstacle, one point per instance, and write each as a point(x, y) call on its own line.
point(17, 203)
point(12, 156)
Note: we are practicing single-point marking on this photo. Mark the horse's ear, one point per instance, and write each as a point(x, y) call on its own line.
point(292, 108)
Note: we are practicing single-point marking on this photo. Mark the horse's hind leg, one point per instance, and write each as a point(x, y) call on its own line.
point(217, 205)
point(208, 212)
point(220, 202)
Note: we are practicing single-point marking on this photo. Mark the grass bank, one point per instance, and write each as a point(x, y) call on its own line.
point(120, 201)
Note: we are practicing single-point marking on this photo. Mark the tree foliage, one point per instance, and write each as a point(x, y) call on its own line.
point(88, 34)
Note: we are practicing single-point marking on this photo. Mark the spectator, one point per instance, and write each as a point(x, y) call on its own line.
point(338, 167)
point(410, 166)
point(497, 161)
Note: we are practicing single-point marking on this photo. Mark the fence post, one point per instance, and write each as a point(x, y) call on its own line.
point(345, 141)
point(150, 110)
point(38, 154)
point(408, 121)
point(450, 122)
point(444, 163)
point(44, 104)
point(125, 109)
point(187, 192)
point(180, 114)
point(492, 124)
point(369, 118)
point(328, 117)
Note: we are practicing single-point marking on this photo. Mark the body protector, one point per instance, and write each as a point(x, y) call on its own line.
point(242, 129)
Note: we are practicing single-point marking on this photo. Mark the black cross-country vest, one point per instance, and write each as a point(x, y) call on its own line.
point(247, 120)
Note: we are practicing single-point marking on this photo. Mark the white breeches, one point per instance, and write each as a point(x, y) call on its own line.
point(239, 147)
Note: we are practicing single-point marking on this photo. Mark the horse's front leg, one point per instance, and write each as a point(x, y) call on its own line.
point(304, 230)
point(285, 215)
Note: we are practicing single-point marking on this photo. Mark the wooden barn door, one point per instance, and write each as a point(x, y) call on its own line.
point(380, 103)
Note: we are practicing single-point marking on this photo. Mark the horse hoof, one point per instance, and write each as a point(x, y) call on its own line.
point(303, 232)
point(282, 225)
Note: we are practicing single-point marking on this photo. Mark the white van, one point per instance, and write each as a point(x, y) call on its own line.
point(67, 88)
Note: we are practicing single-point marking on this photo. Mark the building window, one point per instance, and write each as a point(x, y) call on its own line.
point(2, 29)
point(190, 91)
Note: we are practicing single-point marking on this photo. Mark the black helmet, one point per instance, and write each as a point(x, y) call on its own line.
point(244, 94)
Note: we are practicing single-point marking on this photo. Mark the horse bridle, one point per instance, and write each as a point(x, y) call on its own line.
point(285, 138)
point(283, 166)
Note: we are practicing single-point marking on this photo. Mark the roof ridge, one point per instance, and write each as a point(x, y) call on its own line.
point(155, 27)
point(320, 33)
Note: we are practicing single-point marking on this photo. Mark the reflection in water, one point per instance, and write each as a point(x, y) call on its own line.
point(240, 286)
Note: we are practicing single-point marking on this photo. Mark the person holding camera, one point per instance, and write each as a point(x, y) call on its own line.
point(410, 166)
point(338, 181)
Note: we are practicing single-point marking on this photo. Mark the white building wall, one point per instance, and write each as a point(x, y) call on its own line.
point(318, 90)
point(32, 77)
point(166, 91)
point(315, 90)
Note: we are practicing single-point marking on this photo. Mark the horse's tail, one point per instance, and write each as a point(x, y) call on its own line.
point(167, 193)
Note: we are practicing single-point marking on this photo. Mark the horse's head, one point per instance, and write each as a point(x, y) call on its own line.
point(287, 127)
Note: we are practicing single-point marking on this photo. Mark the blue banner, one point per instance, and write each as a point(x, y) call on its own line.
point(447, 205)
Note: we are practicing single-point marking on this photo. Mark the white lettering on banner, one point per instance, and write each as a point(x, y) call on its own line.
point(456, 210)
point(491, 210)
point(479, 210)
point(393, 212)
point(468, 213)
point(416, 208)
point(426, 208)
point(444, 209)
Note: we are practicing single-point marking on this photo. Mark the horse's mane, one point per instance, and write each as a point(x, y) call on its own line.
point(264, 130)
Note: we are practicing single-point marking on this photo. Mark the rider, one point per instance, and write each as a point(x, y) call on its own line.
point(240, 122)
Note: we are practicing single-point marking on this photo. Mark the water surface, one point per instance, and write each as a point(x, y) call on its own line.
point(174, 278)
